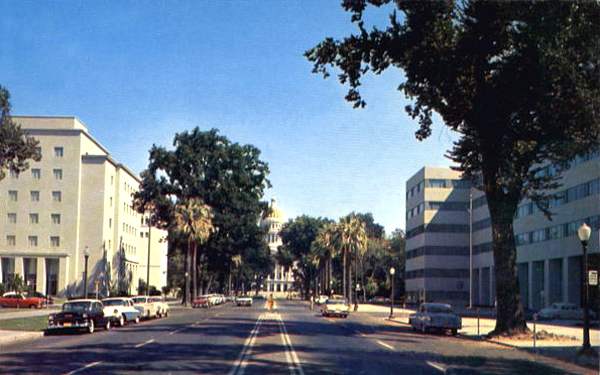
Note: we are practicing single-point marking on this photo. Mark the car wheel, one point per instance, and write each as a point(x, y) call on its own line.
point(122, 321)
point(90, 328)
point(454, 331)
point(32, 306)
point(137, 319)
point(107, 325)
point(423, 328)
point(166, 313)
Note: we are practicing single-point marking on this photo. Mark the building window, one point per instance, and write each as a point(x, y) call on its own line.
point(58, 174)
point(34, 219)
point(55, 241)
point(112, 180)
point(38, 150)
point(13, 195)
point(14, 174)
point(110, 223)
point(12, 217)
point(56, 196)
point(33, 240)
point(111, 201)
point(58, 152)
point(35, 195)
point(11, 240)
point(55, 218)
point(433, 183)
point(36, 173)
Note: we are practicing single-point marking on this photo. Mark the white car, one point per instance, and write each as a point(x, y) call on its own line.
point(147, 308)
point(162, 306)
point(563, 311)
point(122, 310)
point(435, 316)
point(243, 301)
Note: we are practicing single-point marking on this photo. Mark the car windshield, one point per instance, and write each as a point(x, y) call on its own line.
point(113, 302)
point(139, 300)
point(77, 306)
point(439, 309)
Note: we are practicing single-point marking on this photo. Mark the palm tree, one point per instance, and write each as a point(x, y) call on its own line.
point(325, 248)
point(193, 220)
point(236, 263)
point(352, 238)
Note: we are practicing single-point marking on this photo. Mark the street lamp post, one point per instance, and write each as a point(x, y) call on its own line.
point(392, 272)
point(86, 254)
point(356, 290)
point(584, 233)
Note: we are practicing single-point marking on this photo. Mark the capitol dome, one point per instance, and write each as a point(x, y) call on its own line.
point(274, 211)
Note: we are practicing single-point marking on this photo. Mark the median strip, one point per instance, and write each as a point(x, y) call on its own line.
point(293, 365)
point(242, 360)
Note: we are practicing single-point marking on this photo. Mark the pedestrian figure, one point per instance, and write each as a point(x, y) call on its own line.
point(270, 302)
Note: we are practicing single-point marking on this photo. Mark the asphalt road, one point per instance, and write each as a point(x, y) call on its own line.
point(250, 340)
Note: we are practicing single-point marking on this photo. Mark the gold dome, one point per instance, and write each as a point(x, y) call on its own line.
point(274, 211)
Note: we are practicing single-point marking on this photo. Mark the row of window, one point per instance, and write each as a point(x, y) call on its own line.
point(272, 238)
point(11, 240)
point(59, 152)
point(129, 229)
point(556, 231)
point(437, 250)
point(36, 174)
point(437, 272)
point(563, 197)
point(34, 218)
point(437, 228)
point(439, 184)
point(436, 206)
point(34, 196)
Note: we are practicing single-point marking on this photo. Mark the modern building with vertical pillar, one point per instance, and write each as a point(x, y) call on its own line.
point(549, 254)
point(76, 196)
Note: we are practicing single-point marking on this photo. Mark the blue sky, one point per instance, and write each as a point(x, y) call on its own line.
point(137, 72)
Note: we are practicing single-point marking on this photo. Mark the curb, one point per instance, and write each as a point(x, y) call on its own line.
point(14, 337)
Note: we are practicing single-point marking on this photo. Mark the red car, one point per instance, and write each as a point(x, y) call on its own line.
point(17, 300)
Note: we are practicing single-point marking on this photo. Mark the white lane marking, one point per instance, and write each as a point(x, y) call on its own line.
point(385, 345)
point(144, 343)
point(242, 360)
point(435, 366)
point(361, 334)
point(289, 348)
point(83, 368)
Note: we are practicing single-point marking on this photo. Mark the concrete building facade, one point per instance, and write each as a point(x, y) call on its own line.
point(77, 196)
point(549, 254)
point(280, 282)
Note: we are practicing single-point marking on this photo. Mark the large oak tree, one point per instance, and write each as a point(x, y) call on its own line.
point(518, 81)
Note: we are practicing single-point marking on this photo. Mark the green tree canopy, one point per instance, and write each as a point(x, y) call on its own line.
point(518, 81)
point(16, 147)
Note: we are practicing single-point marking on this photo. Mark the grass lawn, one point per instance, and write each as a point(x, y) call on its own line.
point(34, 323)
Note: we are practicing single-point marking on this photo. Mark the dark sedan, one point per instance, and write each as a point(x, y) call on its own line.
point(79, 314)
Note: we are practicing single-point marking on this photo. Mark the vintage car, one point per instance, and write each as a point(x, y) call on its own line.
point(563, 311)
point(243, 301)
point(79, 314)
point(321, 299)
point(435, 316)
point(122, 310)
point(336, 306)
point(202, 301)
point(147, 308)
point(19, 301)
point(161, 305)
point(49, 299)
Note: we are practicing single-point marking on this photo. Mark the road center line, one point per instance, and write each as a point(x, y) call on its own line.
point(83, 368)
point(361, 334)
point(144, 343)
point(435, 366)
point(289, 348)
point(385, 345)
point(242, 360)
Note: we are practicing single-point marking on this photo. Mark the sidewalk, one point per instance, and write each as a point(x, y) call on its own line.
point(564, 346)
point(25, 313)
point(12, 337)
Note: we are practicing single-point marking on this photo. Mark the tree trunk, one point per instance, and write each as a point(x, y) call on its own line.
point(510, 316)
point(349, 280)
point(194, 273)
point(330, 277)
point(344, 272)
point(188, 262)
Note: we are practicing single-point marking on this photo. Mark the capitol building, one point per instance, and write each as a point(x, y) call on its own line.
point(279, 283)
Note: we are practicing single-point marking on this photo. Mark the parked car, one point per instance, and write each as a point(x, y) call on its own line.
point(435, 316)
point(202, 301)
point(122, 310)
point(336, 306)
point(49, 299)
point(147, 308)
point(563, 311)
point(243, 301)
point(79, 314)
point(18, 300)
point(214, 299)
point(161, 305)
